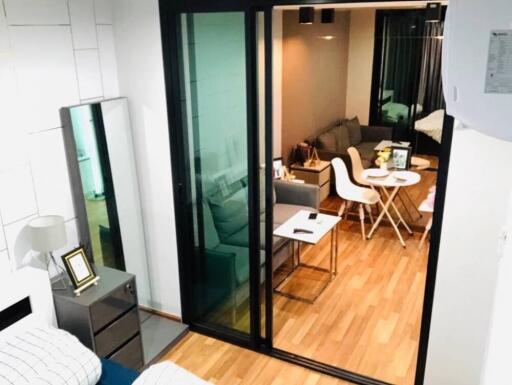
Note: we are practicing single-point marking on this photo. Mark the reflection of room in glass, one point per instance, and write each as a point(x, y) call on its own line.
point(91, 174)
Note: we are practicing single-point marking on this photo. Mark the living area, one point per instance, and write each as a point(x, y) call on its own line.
point(358, 115)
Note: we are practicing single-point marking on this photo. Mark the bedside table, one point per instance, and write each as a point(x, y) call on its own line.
point(105, 318)
point(319, 175)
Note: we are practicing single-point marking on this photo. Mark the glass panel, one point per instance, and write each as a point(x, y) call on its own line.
point(215, 107)
point(92, 174)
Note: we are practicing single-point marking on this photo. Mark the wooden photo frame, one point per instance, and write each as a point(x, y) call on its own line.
point(79, 270)
point(401, 157)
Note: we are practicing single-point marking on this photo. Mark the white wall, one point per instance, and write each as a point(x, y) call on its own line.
point(479, 185)
point(53, 53)
point(498, 354)
point(360, 64)
point(141, 79)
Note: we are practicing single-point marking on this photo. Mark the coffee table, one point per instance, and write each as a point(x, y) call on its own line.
point(320, 227)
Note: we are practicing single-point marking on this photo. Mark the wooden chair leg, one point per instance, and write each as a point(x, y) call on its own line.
point(361, 218)
point(341, 211)
point(425, 233)
point(369, 210)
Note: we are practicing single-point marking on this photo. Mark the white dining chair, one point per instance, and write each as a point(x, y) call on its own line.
point(357, 166)
point(357, 172)
point(352, 193)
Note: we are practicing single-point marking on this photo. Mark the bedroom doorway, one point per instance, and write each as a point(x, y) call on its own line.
point(225, 201)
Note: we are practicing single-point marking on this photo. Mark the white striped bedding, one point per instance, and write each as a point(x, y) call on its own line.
point(46, 355)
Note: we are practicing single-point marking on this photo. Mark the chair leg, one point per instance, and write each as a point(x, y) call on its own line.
point(424, 236)
point(361, 218)
point(341, 211)
point(369, 210)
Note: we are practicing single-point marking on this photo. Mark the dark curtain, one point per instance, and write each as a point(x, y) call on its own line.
point(402, 55)
point(430, 90)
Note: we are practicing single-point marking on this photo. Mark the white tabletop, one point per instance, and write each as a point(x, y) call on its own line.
point(406, 178)
point(388, 143)
point(320, 226)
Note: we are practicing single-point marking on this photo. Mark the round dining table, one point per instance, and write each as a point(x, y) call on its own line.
point(388, 184)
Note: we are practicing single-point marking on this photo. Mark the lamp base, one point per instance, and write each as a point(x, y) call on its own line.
point(60, 281)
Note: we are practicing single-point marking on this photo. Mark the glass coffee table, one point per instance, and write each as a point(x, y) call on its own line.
point(316, 229)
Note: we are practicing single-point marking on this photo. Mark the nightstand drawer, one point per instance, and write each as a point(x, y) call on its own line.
point(117, 333)
point(130, 355)
point(109, 308)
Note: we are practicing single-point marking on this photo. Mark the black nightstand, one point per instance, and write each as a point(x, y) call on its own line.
point(105, 318)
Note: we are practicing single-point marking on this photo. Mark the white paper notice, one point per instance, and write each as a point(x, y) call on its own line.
point(499, 64)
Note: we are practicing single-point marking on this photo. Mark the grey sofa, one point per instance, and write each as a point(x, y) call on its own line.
point(227, 232)
point(334, 141)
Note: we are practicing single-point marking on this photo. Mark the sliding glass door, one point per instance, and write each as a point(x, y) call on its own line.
point(222, 258)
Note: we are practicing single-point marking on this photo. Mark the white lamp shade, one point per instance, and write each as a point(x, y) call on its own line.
point(47, 233)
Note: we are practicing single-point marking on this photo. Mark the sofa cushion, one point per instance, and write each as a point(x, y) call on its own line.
point(241, 238)
point(342, 138)
point(354, 130)
point(327, 141)
point(367, 152)
point(241, 257)
point(283, 212)
point(229, 213)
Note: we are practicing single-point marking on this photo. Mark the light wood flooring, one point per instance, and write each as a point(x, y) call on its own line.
point(366, 321)
point(225, 364)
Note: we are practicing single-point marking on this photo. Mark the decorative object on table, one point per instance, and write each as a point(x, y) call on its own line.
point(302, 152)
point(289, 176)
point(319, 175)
point(79, 270)
point(47, 234)
point(383, 157)
point(313, 159)
point(401, 157)
point(278, 168)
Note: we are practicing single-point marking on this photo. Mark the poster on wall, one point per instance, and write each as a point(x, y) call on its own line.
point(499, 63)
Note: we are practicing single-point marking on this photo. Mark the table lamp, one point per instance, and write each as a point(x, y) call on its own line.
point(48, 233)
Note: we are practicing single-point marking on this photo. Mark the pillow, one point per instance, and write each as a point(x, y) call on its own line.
point(168, 373)
point(354, 130)
point(327, 141)
point(342, 138)
point(46, 355)
point(230, 213)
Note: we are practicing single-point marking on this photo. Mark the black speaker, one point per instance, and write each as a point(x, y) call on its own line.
point(327, 15)
point(306, 15)
point(434, 13)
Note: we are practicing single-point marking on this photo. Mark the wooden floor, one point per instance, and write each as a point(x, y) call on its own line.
point(366, 321)
point(225, 364)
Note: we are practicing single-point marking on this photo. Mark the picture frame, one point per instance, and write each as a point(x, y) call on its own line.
point(80, 271)
point(278, 168)
point(401, 157)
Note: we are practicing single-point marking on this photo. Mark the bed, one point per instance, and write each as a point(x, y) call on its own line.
point(34, 351)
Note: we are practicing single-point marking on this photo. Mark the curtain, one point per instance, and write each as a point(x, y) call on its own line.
point(430, 91)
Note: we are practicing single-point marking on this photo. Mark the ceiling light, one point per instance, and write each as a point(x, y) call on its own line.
point(327, 37)
point(327, 15)
point(306, 15)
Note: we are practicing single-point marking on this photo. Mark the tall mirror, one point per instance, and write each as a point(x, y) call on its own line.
point(102, 169)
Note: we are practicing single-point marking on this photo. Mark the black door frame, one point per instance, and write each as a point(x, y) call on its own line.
point(169, 18)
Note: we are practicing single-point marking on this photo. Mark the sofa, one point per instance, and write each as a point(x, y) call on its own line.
point(227, 233)
point(335, 140)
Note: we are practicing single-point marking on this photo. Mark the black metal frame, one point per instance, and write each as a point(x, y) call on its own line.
point(169, 18)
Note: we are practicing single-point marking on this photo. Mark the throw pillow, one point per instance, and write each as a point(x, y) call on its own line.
point(229, 212)
point(327, 141)
point(342, 138)
point(354, 130)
